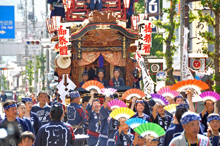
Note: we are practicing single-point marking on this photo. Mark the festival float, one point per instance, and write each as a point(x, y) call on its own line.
point(98, 38)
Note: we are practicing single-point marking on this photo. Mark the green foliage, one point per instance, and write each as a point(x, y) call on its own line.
point(212, 38)
point(156, 46)
point(40, 61)
point(30, 72)
point(3, 82)
point(139, 7)
point(169, 39)
point(192, 17)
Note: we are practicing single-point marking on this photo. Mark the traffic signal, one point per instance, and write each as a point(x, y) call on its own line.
point(33, 42)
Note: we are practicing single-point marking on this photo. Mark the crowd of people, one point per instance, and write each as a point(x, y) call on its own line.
point(44, 123)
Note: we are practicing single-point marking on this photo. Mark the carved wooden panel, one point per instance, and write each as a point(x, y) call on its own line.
point(100, 37)
point(129, 72)
point(100, 17)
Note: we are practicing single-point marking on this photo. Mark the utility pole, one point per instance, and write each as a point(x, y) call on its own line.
point(26, 49)
point(35, 68)
point(47, 54)
point(182, 3)
point(47, 68)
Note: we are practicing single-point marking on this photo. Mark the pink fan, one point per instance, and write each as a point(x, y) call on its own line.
point(165, 91)
point(116, 104)
point(160, 99)
point(108, 91)
point(210, 95)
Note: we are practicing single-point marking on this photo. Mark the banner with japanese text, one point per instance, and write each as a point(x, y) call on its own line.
point(186, 74)
point(63, 35)
point(144, 37)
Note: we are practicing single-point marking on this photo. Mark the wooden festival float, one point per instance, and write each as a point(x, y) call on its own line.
point(100, 34)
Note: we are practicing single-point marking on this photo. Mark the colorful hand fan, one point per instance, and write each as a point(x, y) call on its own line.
point(108, 91)
point(135, 122)
point(93, 85)
point(150, 129)
point(116, 104)
point(165, 91)
point(133, 92)
point(171, 108)
point(159, 98)
point(210, 95)
point(197, 85)
point(122, 112)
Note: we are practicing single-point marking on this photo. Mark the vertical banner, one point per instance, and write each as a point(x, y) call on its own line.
point(144, 37)
point(63, 36)
point(148, 82)
point(186, 74)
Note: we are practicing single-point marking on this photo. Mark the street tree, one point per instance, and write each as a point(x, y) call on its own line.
point(170, 38)
point(30, 72)
point(3, 83)
point(212, 38)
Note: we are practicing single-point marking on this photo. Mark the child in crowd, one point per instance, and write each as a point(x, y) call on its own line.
point(116, 81)
point(179, 99)
point(122, 136)
point(213, 121)
point(101, 77)
point(27, 139)
point(85, 78)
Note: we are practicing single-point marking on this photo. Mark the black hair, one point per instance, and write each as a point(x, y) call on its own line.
point(48, 96)
point(179, 113)
point(85, 99)
point(101, 70)
point(27, 134)
point(42, 92)
point(56, 113)
point(208, 100)
point(71, 99)
point(118, 124)
point(85, 73)
point(19, 103)
point(140, 103)
point(8, 102)
point(115, 95)
point(177, 98)
point(117, 69)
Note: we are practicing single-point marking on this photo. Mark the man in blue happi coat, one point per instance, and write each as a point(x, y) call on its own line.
point(104, 114)
point(92, 111)
point(13, 125)
point(55, 132)
point(42, 109)
point(76, 116)
point(177, 129)
point(35, 121)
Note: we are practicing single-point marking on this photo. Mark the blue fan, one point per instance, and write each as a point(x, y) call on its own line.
point(135, 122)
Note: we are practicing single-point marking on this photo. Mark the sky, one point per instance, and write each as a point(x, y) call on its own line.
point(40, 6)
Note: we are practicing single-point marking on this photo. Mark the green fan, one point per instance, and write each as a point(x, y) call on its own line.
point(150, 129)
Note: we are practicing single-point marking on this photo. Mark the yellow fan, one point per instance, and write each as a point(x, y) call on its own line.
point(171, 108)
point(122, 112)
